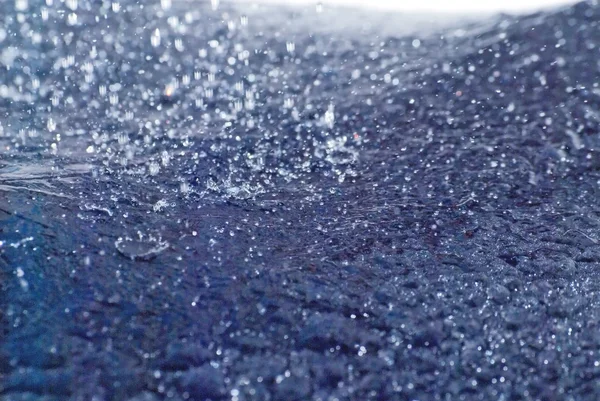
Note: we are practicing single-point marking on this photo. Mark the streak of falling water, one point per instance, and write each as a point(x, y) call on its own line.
point(51, 125)
point(215, 4)
point(72, 4)
point(155, 38)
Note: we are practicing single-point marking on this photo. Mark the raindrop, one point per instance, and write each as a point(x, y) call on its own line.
point(21, 5)
point(179, 45)
point(165, 4)
point(330, 116)
point(184, 188)
point(72, 19)
point(155, 38)
point(51, 125)
point(154, 168)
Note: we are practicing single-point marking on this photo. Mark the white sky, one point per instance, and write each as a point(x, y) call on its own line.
point(459, 6)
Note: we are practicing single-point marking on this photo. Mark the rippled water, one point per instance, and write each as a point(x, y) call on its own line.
point(207, 201)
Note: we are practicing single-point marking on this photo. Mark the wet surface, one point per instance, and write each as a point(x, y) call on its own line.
point(205, 202)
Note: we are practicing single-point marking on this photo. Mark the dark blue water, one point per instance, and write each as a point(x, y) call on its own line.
point(243, 203)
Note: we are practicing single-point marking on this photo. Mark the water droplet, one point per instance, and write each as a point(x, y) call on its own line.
point(155, 38)
point(72, 19)
point(51, 125)
point(21, 5)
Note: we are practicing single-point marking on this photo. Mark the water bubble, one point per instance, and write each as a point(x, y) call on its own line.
point(165, 4)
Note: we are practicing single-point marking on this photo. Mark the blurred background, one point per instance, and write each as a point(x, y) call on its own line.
point(460, 6)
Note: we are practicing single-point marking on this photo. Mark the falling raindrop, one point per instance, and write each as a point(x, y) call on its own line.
point(329, 117)
point(179, 45)
point(21, 5)
point(72, 19)
point(153, 168)
point(51, 125)
point(155, 38)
